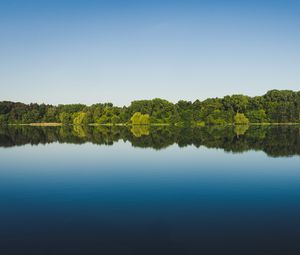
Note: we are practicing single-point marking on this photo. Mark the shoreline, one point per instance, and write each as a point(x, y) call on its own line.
point(154, 124)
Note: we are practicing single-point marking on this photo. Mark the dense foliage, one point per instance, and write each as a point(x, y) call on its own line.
point(276, 106)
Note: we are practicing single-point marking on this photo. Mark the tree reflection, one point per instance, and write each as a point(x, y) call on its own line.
point(276, 141)
point(140, 130)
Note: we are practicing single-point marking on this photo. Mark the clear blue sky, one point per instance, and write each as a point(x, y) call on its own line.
point(69, 51)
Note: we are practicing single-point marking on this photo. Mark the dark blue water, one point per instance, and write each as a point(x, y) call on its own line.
point(96, 199)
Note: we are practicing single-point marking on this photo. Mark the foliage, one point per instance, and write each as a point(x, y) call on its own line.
point(65, 118)
point(140, 119)
point(241, 119)
point(138, 130)
point(257, 116)
point(3, 119)
point(80, 118)
point(217, 117)
point(241, 129)
point(276, 106)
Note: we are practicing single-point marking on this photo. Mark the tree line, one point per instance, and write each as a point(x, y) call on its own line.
point(276, 106)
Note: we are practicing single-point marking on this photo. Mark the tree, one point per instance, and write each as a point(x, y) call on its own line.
point(140, 119)
point(79, 118)
point(217, 118)
point(257, 116)
point(51, 114)
point(3, 119)
point(237, 103)
point(241, 119)
point(145, 119)
point(65, 118)
point(115, 119)
point(103, 119)
point(135, 119)
point(31, 116)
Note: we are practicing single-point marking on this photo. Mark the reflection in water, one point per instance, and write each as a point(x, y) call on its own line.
point(274, 140)
point(139, 131)
point(67, 199)
point(241, 129)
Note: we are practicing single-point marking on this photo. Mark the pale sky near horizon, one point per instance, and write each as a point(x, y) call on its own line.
point(64, 51)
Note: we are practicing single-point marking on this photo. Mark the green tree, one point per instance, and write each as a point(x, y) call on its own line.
point(79, 118)
point(3, 119)
point(51, 114)
point(235, 103)
point(216, 118)
point(65, 118)
point(103, 120)
point(115, 119)
point(241, 119)
point(257, 116)
point(145, 119)
point(140, 119)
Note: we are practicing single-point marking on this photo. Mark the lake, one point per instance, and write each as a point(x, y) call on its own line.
point(159, 190)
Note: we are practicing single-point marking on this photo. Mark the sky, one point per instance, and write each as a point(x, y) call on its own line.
point(88, 51)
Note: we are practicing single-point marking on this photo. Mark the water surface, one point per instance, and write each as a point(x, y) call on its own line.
point(212, 190)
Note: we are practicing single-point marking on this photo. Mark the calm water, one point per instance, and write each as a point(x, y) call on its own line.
point(80, 190)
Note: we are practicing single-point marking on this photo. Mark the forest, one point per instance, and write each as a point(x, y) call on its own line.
point(276, 106)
